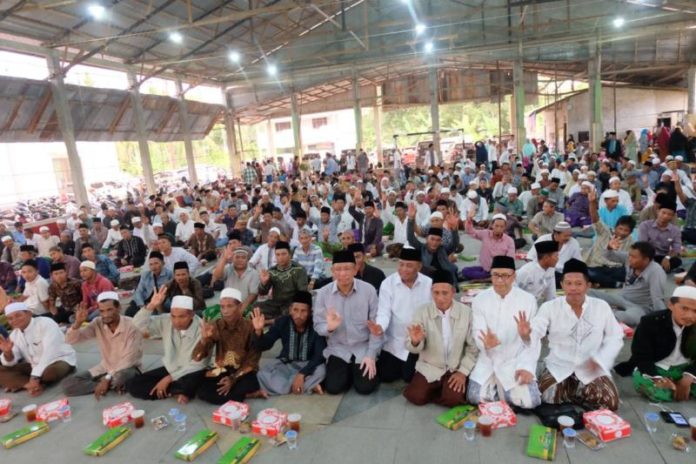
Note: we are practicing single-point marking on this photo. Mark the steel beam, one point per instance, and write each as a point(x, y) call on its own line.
point(594, 78)
point(434, 107)
point(296, 124)
point(357, 114)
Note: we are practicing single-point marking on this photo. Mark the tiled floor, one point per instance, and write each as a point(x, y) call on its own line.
point(380, 428)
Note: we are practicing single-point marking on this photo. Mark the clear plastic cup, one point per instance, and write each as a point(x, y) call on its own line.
point(651, 421)
point(569, 435)
point(692, 424)
point(138, 417)
point(470, 430)
point(291, 437)
point(235, 420)
point(180, 422)
point(565, 422)
point(29, 412)
point(485, 425)
point(65, 413)
point(173, 412)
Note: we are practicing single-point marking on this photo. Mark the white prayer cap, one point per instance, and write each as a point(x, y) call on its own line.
point(60, 221)
point(614, 179)
point(655, 161)
point(669, 158)
point(562, 227)
point(105, 296)
point(231, 293)
point(679, 158)
point(582, 177)
point(430, 171)
point(157, 224)
point(88, 265)
point(114, 222)
point(244, 207)
point(182, 302)
point(562, 164)
point(512, 190)
point(499, 216)
point(591, 173)
point(685, 291)
point(536, 185)
point(135, 219)
point(437, 215)
point(471, 195)
point(589, 184)
point(274, 229)
point(544, 171)
point(420, 192)
point(16, 307)
point(611, 194)
point(6, 238)
point(44, 229)
point(631, 161)
point(264, 193)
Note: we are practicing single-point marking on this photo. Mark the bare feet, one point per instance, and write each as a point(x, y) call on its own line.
point(258, 394)
point(182, 399)
point(318, 390)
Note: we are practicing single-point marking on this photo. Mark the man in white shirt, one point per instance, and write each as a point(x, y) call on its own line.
point(113, 236)
point(584, 339)
point(568, 247)
point(506, 366)
point(624, 197)
point(184, 229)
point(399, 296)
point(35, 294)
point(264, 256)
point(174, 254)
point(539, 277)
point(35, 354)
point(45, 241)
point(422, 209)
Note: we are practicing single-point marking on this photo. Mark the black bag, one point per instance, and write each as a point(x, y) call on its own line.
point(548, 414)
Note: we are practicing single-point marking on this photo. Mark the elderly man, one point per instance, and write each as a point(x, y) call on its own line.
point(400, 295)
point(64, 294)
point(113, 236)
point(285, 279)
point(664, 236)
point(201, 244)
point(342, 311)
point(264, 256)
point(299, 368)
point(151, 280)
point(662, 365)
point(538, 278)
point(433, 254)
point(584, 339)
point(568, 247)
point(233, 375)
point(10, 251)
point(624, 199)
point(93, 285)
point(183, 284)
point(131, 250)
point(494, 242)
point(441, 335)
point(45, 241)
point(174, 254)
point(310, 257)
point(120, 345)
point(184, 229)
point(611, 211)
point(180, 331)
point(234, 269)
point(545, 220)
point(506, 366)
point(35, 354)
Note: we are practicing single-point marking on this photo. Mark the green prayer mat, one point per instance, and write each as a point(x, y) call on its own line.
point(388, 229)
point(646, 387)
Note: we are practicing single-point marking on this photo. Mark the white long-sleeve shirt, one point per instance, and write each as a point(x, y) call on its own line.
point(41, 344)
point(112, 238)
point(397, 304)
point(263, 258)
point(43, 245)
point(493, 312)
point(183, 231)
point(179, 254)
point(570, 249)
point(573, 340)
point(541, 283)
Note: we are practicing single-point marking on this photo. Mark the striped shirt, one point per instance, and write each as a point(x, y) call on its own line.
point(312, 261)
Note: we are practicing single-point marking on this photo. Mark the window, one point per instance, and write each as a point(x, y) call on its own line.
point(319, 122)
point(283, 126)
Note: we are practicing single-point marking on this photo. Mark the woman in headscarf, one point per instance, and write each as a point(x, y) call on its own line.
point(481, 154)
point(644, 141)
point(677, 142)
point(663, 142)
point(631, 146)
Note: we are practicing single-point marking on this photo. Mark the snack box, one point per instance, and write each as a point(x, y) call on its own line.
point(54, 410)
point(500, 412)
point(108, 441)
point(126, 269)
point(223, 414)
point(119, 414)
point(454, 418)
point(607, 425)
point(241, 452)
point(24, 434)
point(197, 445)
point(628, 331)
point(542, 442)
point(269, 422)
point(5, 406)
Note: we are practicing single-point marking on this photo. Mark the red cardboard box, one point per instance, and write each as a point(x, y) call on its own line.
point(5, 406)
point(606, 425)
point(54, 410)
point(269, 422)
point(119, 414)
point(500, 412)
point(223, 414)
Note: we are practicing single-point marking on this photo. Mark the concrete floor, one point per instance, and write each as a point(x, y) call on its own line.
point(380, 428)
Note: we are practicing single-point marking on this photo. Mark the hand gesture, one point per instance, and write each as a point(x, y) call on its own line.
point(416, 334)
point(6, 345)
point(333, 319)
point(523, 377)
point(457, 382)
point(158, 298)
point(228, 254)
point(489, 339)
point(258, 320)
point(411, 211)
point(81, 315)
point(160, 390)
point(452, 220)
point(614, 244)
point(666, 383)
point(265, 276)
point(225, 385)
point(666, 264)
point(325, 234)
point(368, 367)
point(592, 195)
point(471, 214)
point(298, 385)
point(207, 330)
point(102, 389)
point(683, 388)
point(524, 328)
point(374, 328)
point(257, 211)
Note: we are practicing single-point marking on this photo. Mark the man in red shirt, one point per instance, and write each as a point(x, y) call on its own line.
point(93, 284)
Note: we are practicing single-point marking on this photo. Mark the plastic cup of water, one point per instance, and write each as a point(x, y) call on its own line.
point(180, 422)
point(569, 437)
point(291, 437)
point(651, 421)
point(470, 430)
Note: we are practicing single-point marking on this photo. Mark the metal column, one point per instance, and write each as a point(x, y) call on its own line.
point(357, 114)
point(270, 139)
point(185, 126)
point(230, 137)
point(296, 125)
point(139, 120)
point(518, 127)
point(691, 86)
point(378, 123)
point(67, 129)
point(594, 73)
point(434, 107)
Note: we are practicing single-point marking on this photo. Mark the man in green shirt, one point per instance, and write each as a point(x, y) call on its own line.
point(285, 278)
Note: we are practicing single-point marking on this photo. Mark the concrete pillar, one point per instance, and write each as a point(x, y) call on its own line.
point(296, 125)
point(691, 86)
point(230, 138)
point(594, 74)
point(518, 127)
point(378, 123)
point(434, 107)
point(139, 120)
point(67, 129)
point(357, 114)
point(270, 139)
point(185, 126)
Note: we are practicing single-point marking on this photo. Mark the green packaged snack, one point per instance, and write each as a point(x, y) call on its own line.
point(455, 417)
point(197, 445)
point(241, 452)
point(24, 434)
point(108, 441)
point(211, 313)
point(542, 442)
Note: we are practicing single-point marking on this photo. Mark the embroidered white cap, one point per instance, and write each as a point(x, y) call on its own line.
point(182, 302)
point(231, 293)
